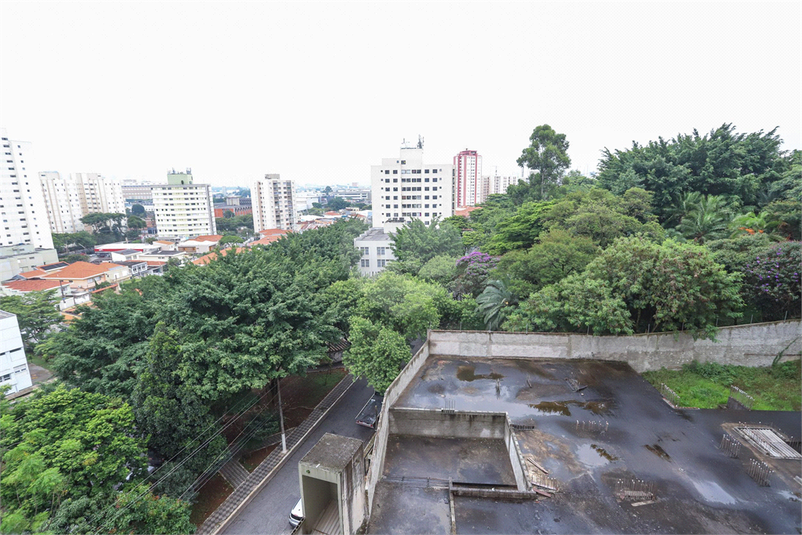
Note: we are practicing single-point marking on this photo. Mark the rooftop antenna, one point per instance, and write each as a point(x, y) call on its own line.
point(420, 141)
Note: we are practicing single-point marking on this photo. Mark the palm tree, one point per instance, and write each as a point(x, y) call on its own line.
point(708, 219)
point(493, 302)
point(750, 223)
point(683, 203)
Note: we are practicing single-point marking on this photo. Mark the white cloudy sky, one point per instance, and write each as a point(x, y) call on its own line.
point(320, 91)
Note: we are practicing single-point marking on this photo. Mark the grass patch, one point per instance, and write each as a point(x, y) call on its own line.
point(39, 361)
point(708, 385)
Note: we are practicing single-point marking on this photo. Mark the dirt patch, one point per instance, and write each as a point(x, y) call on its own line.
point(657, 450)
point(253, 459)
point(210, 497)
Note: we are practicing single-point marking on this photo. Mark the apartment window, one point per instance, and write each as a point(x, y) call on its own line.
point(381, 263)
point(365, 263)
point(380, 251)
point(426, 171)
point(386, 171)
point(395, 171)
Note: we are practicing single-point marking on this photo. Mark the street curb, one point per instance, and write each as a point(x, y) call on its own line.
point(224, 523)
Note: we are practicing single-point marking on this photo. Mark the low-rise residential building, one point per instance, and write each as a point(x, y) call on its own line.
point(375, 246)
point(235, 204)
point(199, 245)
point(138, 268)
point(16, 259)
point(14, 370)
point(123, 246)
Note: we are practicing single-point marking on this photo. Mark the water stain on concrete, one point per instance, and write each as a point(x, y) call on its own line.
point(603, 453)
point(713, 492)
point(468, 373)
point(436, 389)
point(657, 450)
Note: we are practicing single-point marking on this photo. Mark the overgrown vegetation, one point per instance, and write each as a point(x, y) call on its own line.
point(708, 385)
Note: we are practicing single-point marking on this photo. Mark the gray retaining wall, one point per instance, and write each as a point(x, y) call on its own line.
point(744, 345)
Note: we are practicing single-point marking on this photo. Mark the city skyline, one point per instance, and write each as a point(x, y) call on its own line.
point(237, 91)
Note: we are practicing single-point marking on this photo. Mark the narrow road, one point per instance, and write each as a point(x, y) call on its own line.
point(269, 512)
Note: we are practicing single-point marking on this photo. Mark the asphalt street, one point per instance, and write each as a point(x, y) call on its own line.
point(268, 512)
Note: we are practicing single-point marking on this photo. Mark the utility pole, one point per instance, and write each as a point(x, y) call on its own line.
point(281, 418)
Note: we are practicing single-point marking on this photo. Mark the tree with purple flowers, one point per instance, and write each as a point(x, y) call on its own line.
point(772, 281)
point(473, 270)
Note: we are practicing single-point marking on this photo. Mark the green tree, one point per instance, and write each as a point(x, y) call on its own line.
point(69, 445)
point(772, 281)
point(415, 243)
point(722, 162)
point(377, 353)
point(65, 242)
point(440, 269)
point(546, 155)
point(137, 209)
point(36, 315)
point(708, 219)
point(556, 255)
point(135, 222)
point(494, 303)
point(519, 230)
point(225, 240)
point(575, 303)
point(337, 204)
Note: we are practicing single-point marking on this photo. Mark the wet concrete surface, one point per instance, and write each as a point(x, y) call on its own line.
point(594, 423)
point(406, 509)
point(483, 461)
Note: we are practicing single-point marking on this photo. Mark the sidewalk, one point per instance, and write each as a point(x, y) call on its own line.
point(257, 479)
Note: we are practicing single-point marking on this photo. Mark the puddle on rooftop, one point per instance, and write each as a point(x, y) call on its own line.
point(657, 450)
point(562, 407)
point(713, 492)
point(468, 373)
point(590, 456)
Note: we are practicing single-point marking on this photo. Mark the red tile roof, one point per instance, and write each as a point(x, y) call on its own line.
point(205, 259)
point(274, 232)
point(80, 270)
point(466, 210)
point(155, 263)
point(210, 237)
point(267, 240)
point(33, 273)
point(36, 285)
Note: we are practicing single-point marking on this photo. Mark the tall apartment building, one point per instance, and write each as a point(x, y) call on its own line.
point(499, 184)
point(13, 364)
point(70, 198)
point(273, 203)
point(182, 208)
point(62, 201)
point(99, 194)
point(22, 205)
point(137, 191)
point(468, 187)
point(406, 188)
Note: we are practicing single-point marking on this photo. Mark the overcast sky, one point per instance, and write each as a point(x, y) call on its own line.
point(319, 92)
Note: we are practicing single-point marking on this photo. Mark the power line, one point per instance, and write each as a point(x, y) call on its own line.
point(176, 467)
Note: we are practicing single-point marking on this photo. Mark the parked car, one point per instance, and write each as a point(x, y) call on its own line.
point(369, 415)
point(297, 513)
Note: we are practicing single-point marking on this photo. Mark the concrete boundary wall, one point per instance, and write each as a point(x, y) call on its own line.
point(448, 424)
point(382, 429)
point(744, 345)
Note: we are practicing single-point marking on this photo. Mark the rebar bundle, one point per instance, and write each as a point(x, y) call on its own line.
point(730, 446)
point(760, 472)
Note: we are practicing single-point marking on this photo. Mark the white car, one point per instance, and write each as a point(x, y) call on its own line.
point(297, 514)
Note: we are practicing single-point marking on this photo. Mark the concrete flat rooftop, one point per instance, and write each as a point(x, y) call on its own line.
point(591, 424)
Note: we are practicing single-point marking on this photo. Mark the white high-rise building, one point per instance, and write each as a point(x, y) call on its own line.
point(468, 190)
point(406, 188)
point(22, 205)
point(499, 184)
point(63, 202)
point(99, 194)
point(13, 364)
point(273, 203)
point(183, 209)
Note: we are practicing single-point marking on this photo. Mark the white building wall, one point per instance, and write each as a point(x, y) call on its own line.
point(499, 184)
point(468, 179)
point(273, 203)
point(63, 202)
point(22, 205)
point(183, 211)
point(406, 188)
point(13, 364)
point(374, 244)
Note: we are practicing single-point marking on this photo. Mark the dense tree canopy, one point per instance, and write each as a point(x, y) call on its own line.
point(36, 314)
point(546, 156)
point(416, 243)
point(722, 162)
